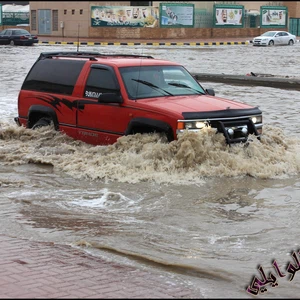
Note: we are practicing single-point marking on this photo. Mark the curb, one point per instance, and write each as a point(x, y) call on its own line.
point(147, 44)
point(275, 82)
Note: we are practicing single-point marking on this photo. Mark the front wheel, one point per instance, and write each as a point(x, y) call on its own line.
point(12, 43)
point(42, 123)
point(271, 43)
point(291, 43)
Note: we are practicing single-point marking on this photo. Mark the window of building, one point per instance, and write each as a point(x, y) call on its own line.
point(73, 11)
point(33, 20)
point(140, 3)
point(65, 11)
point(55, 20)
point(81, 11)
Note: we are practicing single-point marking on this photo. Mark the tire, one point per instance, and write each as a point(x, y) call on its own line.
point(271, 43)
point(164, 137)
point(42, 123)
point(11, 42)
point(291, 43)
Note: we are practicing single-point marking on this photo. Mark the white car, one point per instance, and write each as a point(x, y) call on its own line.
point(271, 38)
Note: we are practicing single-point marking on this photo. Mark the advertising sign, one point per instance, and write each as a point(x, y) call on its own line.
point(273, 16)
point(120, 16)
point(176, 15)
point(228, 16)
point(0, 14)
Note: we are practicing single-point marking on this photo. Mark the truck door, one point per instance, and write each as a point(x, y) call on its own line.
point(100, 123)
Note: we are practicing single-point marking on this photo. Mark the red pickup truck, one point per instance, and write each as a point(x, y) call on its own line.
point(98, 98)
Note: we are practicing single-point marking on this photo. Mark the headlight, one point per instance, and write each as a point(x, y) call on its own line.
point(188, 125)
point(200, 125)
point(257, 119)
point(196, 125)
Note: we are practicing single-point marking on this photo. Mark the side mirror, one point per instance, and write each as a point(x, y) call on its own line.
point(110, 98)
point(210, 92)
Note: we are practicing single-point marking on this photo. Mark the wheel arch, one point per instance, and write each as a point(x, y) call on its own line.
point(36, 112)
point(147, 125)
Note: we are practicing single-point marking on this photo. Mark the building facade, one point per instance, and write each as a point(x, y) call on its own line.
point(74, 19)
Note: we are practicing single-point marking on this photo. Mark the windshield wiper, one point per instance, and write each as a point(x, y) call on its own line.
point(151, 85)
point(185, 86)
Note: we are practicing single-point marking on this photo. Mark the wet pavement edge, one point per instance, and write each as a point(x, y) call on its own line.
point(30, 269)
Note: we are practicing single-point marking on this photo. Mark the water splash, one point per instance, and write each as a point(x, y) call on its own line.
point(138, 158)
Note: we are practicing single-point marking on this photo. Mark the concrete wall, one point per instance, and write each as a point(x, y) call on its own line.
point(166, 33)
point(174, 33)
point(293, 8)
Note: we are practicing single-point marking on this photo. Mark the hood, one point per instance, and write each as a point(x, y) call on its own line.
point(263, 37)
point(192, 103)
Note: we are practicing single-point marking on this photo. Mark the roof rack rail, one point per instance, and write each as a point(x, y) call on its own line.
point(68, 53)
point(128, 55)
point(87, 54)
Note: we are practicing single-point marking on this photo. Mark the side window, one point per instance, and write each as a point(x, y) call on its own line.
point(100, 81)
point(8, 32)
point(53, 76)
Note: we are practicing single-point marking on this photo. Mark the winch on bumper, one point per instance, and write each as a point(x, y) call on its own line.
point(235, 124)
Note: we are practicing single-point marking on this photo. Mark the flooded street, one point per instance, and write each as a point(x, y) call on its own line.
point(204, 212)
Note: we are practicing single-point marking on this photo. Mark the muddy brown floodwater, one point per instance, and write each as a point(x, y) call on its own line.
point(204, 212)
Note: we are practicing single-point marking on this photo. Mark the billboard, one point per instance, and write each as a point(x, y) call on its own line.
point(124, 16)
point(273, 16)
point(228, 16)
point(176, 15)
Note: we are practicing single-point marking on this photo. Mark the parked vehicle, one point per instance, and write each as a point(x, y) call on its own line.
point(98, 98)
point(17, 36)
point(275, 38)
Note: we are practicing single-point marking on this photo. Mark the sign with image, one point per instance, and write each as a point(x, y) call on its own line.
point(121, 16)
point(273, 16)
point(228, 16)
point(176, 15)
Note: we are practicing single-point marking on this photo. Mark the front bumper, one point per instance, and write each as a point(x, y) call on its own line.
point(260, 43)
point(16, 119)
point(235, 125)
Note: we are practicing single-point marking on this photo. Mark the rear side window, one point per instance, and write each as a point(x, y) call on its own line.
point(53, 76)
point(20, 32)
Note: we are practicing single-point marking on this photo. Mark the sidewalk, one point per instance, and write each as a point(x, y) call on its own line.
point(31, 269)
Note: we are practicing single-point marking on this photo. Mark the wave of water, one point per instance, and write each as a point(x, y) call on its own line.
point(139, 158)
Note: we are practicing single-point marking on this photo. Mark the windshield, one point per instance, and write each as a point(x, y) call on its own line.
point(159, 81)
point(269, 33)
